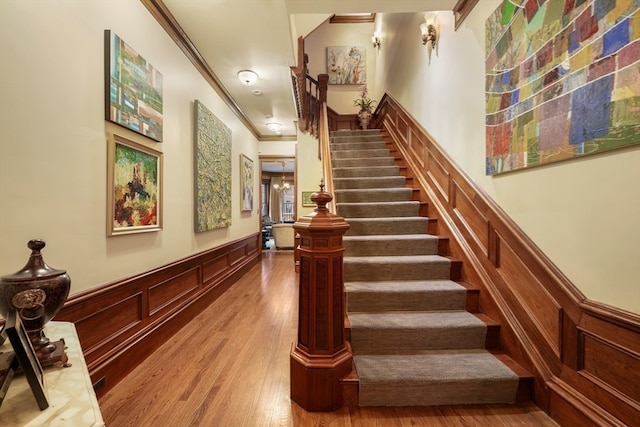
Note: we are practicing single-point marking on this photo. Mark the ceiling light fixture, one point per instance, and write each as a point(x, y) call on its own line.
point(248, 77)
point(274, 127)
point(285, 185)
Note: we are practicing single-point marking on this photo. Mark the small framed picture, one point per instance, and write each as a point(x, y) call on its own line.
point(134, 187)
point(27, 358)
point(246, 183)
point(306, 199)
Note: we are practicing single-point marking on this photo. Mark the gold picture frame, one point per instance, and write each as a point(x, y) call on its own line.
point(134, 187)
point(306, 199)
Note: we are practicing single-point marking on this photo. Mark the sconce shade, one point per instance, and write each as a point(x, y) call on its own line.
point(247, 77)
point(428, 30)
point(375, 39)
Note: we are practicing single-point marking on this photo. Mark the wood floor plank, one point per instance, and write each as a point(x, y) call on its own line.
point(229, 366)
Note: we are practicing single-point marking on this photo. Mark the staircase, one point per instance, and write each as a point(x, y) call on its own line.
point(414, 342)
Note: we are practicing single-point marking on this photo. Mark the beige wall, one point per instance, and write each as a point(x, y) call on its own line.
point(583, 213)
point(53, 141)
point(340, 97)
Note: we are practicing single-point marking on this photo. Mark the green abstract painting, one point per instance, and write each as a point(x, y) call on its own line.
point(212, 171)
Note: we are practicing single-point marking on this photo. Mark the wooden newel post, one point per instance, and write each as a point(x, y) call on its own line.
point(321, 356)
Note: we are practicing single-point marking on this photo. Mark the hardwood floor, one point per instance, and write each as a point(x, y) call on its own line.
point(229, 367)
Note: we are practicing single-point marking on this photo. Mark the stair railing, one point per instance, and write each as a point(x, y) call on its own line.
point(325, 153)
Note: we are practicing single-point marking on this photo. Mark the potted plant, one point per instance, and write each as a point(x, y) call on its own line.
point(366, 104)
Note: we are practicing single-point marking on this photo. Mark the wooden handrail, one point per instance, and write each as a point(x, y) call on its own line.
point(325, 153)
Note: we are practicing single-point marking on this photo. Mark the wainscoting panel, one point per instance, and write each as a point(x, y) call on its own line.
point(585, 356)
point(166, 295)
point(470, 216)
point(538, 305)
point(121, 323)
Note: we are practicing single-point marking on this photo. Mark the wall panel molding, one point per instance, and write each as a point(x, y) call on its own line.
point(121, 323)
point(585, 356)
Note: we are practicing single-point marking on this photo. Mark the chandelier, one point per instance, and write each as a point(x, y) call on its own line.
point(284, 186)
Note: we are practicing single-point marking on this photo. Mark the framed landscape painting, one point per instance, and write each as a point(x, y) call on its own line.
point(246, 183)
point(135, 187)
point(133, 89)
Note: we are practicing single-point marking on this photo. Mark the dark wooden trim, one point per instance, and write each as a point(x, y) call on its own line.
point(342, 121)
point(353, 19)
point(585, 356)
point(462, 9)
point(121, 323)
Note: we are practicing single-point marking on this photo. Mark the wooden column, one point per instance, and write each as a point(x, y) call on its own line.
point(321, 356)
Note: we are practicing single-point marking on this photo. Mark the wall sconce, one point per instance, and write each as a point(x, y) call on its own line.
point(428, 30)
point(248, 77)
point(375, 39)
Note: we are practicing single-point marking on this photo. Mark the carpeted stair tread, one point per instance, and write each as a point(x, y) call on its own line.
point(361, 172)
point(369, 182)
point(387, 226)
point(357, 146)
point(434, 378)
point(405, 267)
point(370, 161)
point(409, 295)
point(407, 208)
point(407, 332)
point(350, 154)
point(373, 195)
point(389, 245)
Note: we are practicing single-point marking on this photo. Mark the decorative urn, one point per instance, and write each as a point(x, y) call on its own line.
point(36, 293)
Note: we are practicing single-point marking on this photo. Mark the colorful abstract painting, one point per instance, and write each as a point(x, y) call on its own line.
point(346, 65)
point(212, 170)
point(562, 80)
point(133, 89)
point(135, 187)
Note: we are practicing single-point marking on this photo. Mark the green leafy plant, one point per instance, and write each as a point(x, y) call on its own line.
point(364, 102)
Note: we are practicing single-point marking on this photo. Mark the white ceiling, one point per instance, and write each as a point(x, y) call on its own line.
point(232, 35)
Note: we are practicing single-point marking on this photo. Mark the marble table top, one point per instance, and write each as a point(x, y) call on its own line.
point(72, 401)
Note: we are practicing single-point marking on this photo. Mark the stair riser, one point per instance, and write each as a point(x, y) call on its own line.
point(359, 154)
point(397, 271)
point(368, 227)
point(368, 161)
point(406, 301)
point(382, 248)
point(371, 196)
point(365, 172)
point(410, 341)
point(378, 210)
point(366, 183)
point(356, 146)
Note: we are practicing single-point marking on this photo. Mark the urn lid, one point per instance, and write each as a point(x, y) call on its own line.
point(35, 268)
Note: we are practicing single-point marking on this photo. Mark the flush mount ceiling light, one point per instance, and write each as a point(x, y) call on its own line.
point(247, 77)
point(274, 127)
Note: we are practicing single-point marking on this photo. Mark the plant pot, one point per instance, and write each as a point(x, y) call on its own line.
point(364, 117)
